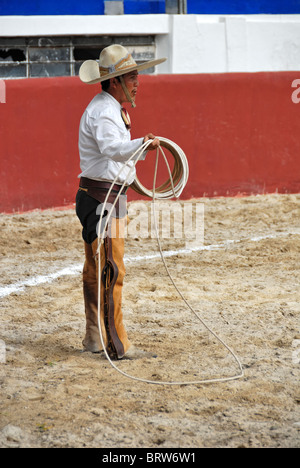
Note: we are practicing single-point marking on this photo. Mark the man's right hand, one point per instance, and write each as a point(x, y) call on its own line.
point(154, 144)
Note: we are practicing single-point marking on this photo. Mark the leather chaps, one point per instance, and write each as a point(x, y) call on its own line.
point(112, 273)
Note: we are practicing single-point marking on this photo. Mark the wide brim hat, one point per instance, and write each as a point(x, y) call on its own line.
point(114, 61)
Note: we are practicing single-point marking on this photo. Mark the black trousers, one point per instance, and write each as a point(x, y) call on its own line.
point(89, 209)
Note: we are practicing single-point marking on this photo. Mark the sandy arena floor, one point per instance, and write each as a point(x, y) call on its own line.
point(247, 291)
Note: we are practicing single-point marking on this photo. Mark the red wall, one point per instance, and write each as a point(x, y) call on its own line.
point(240, 133)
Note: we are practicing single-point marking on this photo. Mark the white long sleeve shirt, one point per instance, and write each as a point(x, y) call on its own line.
point(105, 143)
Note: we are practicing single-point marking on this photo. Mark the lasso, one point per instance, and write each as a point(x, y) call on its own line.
point(172, 188)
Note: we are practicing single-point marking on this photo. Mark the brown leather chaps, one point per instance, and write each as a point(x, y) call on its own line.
point(111, 279)
point(112, 276)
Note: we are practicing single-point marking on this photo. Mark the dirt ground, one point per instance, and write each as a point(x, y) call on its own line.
point(247, 291)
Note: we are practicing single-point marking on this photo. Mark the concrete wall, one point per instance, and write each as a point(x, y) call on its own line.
point(220, 44)
point(240, 133)
point(225, 95)
point(192, 43)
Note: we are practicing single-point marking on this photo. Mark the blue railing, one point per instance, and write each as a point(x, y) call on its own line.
point(100, 7)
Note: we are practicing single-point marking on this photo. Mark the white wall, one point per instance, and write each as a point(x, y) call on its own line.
point(219, 44)
point(192, 43)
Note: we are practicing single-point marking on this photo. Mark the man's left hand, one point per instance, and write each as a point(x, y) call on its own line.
point(155, 142)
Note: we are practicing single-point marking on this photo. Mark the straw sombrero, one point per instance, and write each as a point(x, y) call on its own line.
point(114, 61)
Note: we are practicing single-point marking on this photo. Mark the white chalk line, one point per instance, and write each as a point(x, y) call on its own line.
point(20, 286)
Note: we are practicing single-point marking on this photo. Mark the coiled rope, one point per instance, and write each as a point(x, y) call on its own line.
point(172, 188)
point(177, 181)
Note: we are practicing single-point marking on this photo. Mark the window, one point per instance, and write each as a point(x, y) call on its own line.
point(62, 56)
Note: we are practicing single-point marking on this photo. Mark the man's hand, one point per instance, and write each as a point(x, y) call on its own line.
point(155, 143)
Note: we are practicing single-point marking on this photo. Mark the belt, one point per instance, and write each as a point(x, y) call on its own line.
point(98, 190)
point(98, 184)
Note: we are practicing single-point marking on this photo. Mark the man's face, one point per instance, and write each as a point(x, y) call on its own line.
point(131, 83)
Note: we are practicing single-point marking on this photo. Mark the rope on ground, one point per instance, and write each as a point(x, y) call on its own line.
point(172, 188)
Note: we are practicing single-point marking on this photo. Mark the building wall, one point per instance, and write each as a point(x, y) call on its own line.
point(228, 95)
point(240, 133)
point(192, 43)
point(97, 7)
point(229, 7)
point(76, 7)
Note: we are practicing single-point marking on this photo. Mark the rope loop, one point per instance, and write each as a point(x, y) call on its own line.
point(172, 188)
point(177, 181)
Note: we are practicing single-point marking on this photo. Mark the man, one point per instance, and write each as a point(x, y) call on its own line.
point(104, 146)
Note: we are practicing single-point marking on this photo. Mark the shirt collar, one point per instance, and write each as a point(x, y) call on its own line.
point(116, 103)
